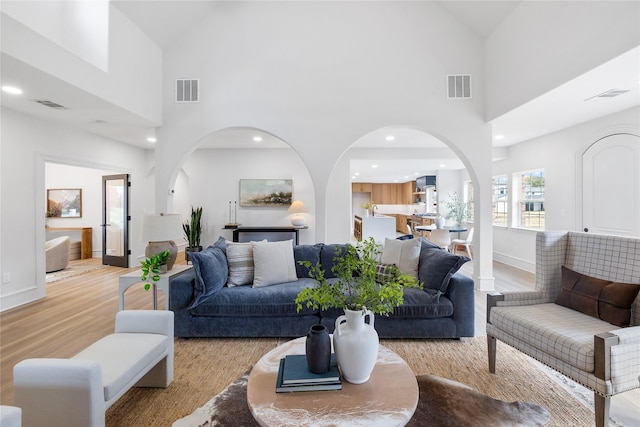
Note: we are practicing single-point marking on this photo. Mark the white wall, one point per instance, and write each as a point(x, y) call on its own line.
point(319, 75)
point(26, 145)
point(211, 178)
point(544, 44)
point(132, 78)
point(556, 154)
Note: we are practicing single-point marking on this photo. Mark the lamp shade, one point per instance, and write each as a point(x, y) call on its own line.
point(296, 208)
point(161, 231)
point(160, 228)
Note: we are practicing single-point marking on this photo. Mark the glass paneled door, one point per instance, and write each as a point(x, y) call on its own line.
point(115, 220)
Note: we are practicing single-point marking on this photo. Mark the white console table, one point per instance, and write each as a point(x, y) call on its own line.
point(130, 279)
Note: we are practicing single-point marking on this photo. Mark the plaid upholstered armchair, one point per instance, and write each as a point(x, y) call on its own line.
point(583, 317)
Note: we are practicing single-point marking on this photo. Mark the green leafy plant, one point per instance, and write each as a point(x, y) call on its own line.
point(358, 285)
point(193, 228)
point(151, 268)
point(459, 210)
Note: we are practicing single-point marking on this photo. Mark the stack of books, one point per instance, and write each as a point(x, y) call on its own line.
point(294, 375)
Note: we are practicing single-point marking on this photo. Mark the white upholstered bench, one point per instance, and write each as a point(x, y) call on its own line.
point(78, 391)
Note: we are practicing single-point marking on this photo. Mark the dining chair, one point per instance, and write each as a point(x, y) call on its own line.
point(466, 243)
point(440, 237)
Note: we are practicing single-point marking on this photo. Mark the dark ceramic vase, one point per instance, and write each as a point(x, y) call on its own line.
point(318, 349)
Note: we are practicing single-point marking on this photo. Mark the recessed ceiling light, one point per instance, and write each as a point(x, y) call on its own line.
point(395, 180)
point(12, 90)
point(357, 173)
point(257, 138)
point(374, 166)
point(151, 139)
point(498, 137)
point(416, 173)
point(390, 138)
point(353, 177)
point(443, 165)
point(406, 177)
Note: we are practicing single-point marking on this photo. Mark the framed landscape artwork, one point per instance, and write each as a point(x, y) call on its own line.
point(64, 203)
point(266, 192)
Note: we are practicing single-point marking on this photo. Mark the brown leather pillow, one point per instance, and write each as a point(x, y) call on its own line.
point(606, 300)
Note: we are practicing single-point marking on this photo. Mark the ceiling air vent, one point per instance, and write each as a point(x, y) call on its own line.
point(187, 90)
point(609, 94)
point(459, 86)
point(50, 104)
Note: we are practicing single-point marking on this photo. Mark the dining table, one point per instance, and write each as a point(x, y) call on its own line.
point(452, 229)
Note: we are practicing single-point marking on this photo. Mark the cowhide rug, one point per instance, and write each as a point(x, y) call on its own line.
point(442, 403)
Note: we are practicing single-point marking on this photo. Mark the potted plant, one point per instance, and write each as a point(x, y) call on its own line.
point(192, 231)
point(153, 266)
point(361, 290)
point(459, 210)
point(367, 207)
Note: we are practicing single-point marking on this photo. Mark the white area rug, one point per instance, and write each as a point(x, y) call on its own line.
point(71, 271)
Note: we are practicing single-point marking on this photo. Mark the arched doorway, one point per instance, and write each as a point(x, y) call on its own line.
point(611, 185)
point(210, 175)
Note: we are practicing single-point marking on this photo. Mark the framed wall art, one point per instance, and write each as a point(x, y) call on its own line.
point(266, 192)
point(64, 203)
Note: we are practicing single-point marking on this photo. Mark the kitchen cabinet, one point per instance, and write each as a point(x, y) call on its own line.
point(361, 187)
point(376, 194)
point(406, 193)
point(387, 193)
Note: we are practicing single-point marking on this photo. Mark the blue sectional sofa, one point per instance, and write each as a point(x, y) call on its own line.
point(443, 309)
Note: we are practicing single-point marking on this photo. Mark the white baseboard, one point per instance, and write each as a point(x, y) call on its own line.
point(520, 263)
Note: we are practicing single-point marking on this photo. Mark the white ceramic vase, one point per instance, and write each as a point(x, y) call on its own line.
point(440, 221)
point(356, 345)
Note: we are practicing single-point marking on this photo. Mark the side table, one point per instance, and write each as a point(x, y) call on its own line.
point(127, 280)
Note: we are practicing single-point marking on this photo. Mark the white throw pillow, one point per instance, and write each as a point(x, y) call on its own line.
point(403, 253)
point(274, 263)
point(240, 261)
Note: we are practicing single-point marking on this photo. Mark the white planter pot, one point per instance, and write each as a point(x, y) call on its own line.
point(356, 345)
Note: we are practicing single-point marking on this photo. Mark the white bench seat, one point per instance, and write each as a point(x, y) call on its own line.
point(77, 391)
point(123, 357)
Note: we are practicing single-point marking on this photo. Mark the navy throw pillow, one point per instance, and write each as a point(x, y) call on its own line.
point(436, 266)
point(211, 270)
point(306, 253)
point(326, 257)
point(221, 244)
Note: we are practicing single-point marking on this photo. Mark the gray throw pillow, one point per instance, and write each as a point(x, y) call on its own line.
point(211, 270)
point(436, 266)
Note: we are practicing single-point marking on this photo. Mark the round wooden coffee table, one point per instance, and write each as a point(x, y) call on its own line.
point(389, 398)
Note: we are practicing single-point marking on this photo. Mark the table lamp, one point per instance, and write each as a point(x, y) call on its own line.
point(297, 208)
point(161, 231)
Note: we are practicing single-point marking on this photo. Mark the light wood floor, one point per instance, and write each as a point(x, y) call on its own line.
point(79, 310)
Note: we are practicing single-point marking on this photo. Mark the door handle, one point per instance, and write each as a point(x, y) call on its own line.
point(586, 230)
point(105, 225)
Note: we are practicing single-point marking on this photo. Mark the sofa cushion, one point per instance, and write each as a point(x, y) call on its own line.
point(243, 301)
point(550, 329)
point(417, 304)
point(327, 253)
point(436, 266)
point(403, 253)
point(210, 268)
point(309, 253)
point(423, 304)
point(604, 299)
point(273, 263)
point(240, 261)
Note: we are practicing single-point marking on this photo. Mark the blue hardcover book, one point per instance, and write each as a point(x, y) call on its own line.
point(297, 372)
point(281, 388)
